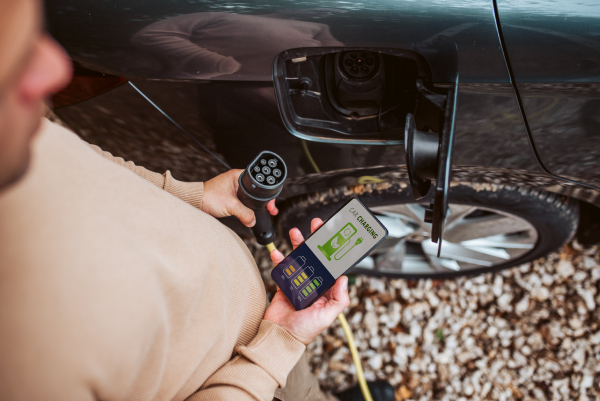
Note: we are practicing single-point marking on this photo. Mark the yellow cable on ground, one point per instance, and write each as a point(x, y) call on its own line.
point(360, 374)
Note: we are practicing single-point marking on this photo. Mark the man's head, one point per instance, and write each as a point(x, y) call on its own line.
point(32, 67)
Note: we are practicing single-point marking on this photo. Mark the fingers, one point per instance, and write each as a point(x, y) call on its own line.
point(231, 179)
point(315, 224)
point(220, 198)
point(339, 296)
point(276, 256)
point(236, 207)
point(340, 290)
point(235, 173)
point(296, 237)
point(272, 208)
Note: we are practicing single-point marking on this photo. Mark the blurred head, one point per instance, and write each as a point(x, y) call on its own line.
point(32, 67)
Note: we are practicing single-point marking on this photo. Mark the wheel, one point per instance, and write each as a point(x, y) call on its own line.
point(488, 227)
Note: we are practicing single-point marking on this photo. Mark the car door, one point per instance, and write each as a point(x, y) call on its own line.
point(554, 52)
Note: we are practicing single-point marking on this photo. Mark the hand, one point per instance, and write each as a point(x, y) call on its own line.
point(220, 199)
point(229, 65)
point(308, 323)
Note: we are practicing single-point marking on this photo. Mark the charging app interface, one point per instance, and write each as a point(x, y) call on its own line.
point(328, 253)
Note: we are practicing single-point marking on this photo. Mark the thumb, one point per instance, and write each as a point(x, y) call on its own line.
point(243, 213)
point(276, 256)
point(339, 296)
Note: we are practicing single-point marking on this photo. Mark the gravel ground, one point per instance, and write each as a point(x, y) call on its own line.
point(531, 332)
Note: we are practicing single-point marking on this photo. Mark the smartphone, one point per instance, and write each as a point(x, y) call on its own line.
point(337, 246)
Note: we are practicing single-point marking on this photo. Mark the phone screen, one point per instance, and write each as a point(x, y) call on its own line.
point(336, 247)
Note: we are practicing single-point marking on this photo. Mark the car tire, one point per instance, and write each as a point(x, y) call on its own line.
point(545, 219)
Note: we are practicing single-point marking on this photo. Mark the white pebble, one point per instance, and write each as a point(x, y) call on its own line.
point(541, 294)
point(580, 277)
point(596, 274)
point(587, 382)
point(376, 284)
point(575, 323)
point(370, 321)
point(376, 362)
point(589, 263)
point(565, 269)
point(522, 306)
point(504, 302)
point(434, 301)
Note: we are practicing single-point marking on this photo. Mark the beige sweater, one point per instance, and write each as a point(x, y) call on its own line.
point(111, 288)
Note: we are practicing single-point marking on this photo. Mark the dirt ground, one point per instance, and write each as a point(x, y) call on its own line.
point(527, 333)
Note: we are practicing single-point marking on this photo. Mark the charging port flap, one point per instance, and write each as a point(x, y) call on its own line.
point(439, 205)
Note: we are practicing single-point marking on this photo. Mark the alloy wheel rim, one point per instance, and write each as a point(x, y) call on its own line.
point(474, 237)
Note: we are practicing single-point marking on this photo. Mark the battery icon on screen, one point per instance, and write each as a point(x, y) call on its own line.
point(294, 266)
point(302, 276)
point(311, 287)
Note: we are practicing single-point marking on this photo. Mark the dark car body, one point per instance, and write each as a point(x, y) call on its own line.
point(528, 105)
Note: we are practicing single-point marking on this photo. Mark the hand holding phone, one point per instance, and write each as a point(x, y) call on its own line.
point(334, 248)
point(307, 323)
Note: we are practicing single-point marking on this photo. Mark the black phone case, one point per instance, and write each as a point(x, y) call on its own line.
point(280, 272)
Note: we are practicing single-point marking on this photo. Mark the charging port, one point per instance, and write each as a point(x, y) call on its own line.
point(358, 95)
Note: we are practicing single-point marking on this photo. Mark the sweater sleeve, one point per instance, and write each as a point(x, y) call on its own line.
point(190, 192)
point(257, 369)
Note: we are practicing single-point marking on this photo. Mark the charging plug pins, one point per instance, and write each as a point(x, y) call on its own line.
point(264, 171)
point(257, 187)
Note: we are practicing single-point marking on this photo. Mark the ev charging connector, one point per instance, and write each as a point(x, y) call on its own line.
point(261, 182)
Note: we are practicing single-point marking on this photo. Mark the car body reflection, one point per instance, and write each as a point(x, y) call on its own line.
point(209, 45)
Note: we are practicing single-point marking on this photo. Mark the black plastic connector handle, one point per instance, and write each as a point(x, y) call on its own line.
point(261, 182)
point(263, 230)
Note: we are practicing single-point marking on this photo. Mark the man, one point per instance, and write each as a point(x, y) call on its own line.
point(113, 285)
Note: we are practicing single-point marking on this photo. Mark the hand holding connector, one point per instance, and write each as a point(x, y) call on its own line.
point(220, 199)
point(259, 184)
